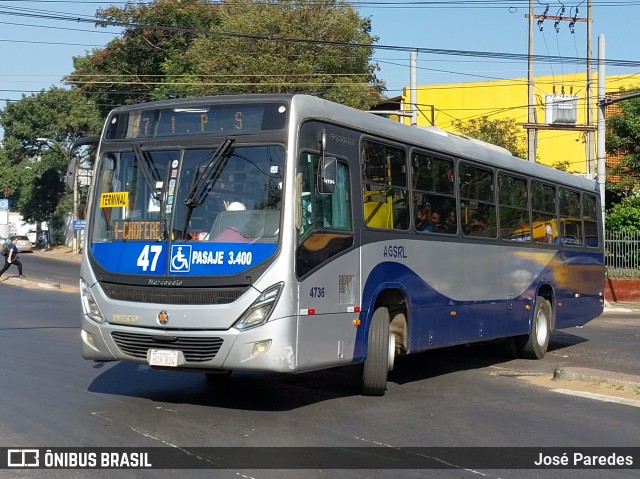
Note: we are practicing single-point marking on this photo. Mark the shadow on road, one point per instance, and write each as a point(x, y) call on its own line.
point(280, 392)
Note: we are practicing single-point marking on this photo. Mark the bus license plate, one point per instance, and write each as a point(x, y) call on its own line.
point(164, 357)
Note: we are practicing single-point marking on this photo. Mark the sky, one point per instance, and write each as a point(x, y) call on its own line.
point(38, 40)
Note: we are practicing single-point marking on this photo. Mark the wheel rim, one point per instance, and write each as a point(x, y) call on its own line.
point(392, 350)
point(542, 327)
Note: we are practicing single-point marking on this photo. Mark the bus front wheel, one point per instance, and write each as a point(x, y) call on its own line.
point(534, 346)
point(380, 354)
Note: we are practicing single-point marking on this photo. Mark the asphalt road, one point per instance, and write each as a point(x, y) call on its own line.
point(460, 397)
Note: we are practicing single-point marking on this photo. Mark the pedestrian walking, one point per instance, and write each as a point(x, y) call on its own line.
point(12, 257)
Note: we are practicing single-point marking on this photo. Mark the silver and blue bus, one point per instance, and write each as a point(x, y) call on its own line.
point(286, 233)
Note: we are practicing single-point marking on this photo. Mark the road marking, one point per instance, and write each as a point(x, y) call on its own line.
point(599, 397)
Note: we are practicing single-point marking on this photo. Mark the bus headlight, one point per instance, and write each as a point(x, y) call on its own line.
point(89, 304)
point(259, 312)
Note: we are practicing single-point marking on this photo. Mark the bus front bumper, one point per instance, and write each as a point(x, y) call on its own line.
point(270, 347)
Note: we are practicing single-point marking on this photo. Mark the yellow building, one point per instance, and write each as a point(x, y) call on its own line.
point(507, 99)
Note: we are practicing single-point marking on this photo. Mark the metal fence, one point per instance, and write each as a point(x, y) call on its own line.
point(622, 254)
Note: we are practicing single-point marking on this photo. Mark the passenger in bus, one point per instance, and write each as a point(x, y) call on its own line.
point(477, 225)
point(436, 225)
point(422, 218)
point(450, 225)
point(548, 234)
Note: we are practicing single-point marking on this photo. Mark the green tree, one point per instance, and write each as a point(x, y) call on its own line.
point(130, 69)
point(10, 182)
point(623, 138)
point(625, 216)
point(504, 133)
point(38, 132)
point(196, 47)
point(53, 117)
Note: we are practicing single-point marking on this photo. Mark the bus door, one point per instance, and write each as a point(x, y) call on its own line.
point(327, 267)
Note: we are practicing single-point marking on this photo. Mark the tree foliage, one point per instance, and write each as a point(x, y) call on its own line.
point(504, 133)
point(38, 131)
point(129, 69)
point(623, 138)
point(240, 46)
point(625, 216)
point(55, 116)
point(10, 181)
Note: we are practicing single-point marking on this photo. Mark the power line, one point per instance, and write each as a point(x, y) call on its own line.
point(430, 51)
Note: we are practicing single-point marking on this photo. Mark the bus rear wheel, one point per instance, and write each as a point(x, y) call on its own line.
point(534, 346)
point(380, 354)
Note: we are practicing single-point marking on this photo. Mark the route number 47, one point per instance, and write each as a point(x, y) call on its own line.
point(152, 251)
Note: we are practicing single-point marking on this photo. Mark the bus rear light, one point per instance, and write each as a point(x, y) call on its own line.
point(527, 307)
point(353, 309)
point(356, 322)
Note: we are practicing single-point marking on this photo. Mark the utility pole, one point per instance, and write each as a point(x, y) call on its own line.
point(532, 133)
point(602, 106)
point(590, 134)
point(532, 126)
point(413, 93)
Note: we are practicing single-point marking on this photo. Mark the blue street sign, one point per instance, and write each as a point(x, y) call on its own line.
point(4, 204)
point(79, 225)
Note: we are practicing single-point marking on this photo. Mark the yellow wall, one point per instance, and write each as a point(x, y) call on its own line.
point(507, 99)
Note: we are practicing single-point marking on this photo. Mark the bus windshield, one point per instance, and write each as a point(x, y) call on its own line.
point(147, 195)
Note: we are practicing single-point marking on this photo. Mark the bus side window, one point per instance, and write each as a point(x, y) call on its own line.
point(434, 202)
point(544, 216)
point(384, 182)
point(378, 212)
point(320, 211)
point(570, 218)
point(590, 217)
point(513, 208)
point(477, 201)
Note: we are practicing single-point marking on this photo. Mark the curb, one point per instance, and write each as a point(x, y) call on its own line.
point(15, 281)
point(620, 307)
point(596, 375)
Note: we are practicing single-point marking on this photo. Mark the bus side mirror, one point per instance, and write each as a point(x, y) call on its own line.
point(70, 179)
point(327, 175)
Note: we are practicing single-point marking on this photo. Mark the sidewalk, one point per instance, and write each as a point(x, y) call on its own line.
point(62, 253)
point(621, 307)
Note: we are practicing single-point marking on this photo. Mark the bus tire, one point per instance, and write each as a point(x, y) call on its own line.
point(534, 346)
point(376, 366)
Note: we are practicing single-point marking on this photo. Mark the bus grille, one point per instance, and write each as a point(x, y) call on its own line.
point(143, 294)
point(195, 350)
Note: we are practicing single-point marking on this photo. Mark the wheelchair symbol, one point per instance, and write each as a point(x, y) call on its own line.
point(180, 261)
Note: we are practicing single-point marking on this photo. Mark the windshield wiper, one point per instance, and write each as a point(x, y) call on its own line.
point(152, 178)
point(149, 171)
point(204, 179)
